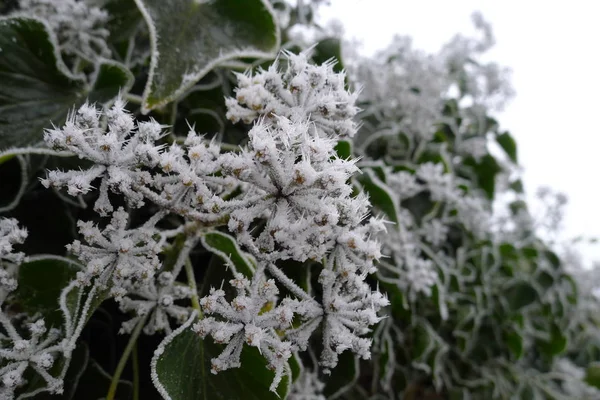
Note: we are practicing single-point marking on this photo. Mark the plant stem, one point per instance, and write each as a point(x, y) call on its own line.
point(136, 373)
point(189, 271)
point(112, 390)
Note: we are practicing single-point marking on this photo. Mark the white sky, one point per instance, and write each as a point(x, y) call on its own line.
point(552, 48)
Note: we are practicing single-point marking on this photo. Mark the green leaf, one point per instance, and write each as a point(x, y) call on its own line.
point(592, 375)
point(327, 49)
point(520, 295)
point(514, 342)
point(343, 376)
point(191, 37)
point(181, 371)
point(343, 149)
point(509, 145)
point(226, 247)
point(557, 343)
point(41, 281)
point(380, 195)
point(485, 170)
point(37, 88)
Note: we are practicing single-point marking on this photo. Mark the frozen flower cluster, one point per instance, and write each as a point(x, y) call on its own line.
point(117, 256)
point(117, 152)
point(303, 92)
point(298, 183)
point(254, 318)
point(156, 302)
point(10, 235)
point(79, 25)
point(37, 353)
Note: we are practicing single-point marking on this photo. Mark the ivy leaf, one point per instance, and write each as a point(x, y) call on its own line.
point(191, 37)
point(37, 87)
point(521, 294)
point(343, 376)
point(226, 247)
point(181, 371)
point(508, 144)
point(329, 48)
point(380, 194)
point(557, 343)
point(343, 149)
point(592, 375)
point(41, 281)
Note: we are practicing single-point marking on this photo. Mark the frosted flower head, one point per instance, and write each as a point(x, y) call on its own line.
point(252, 317)
point(303, 91)
point(298, 184)
point(116, 254)
point(10, 235)
point(117, 153)
point(29, 357)
point(156, 302)
point(79, 25)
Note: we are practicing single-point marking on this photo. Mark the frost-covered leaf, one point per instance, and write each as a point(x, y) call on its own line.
point(592, 375)
point(226, 247)
point(191, 37)
point(327, 49)
point(508, 144)
point(380, 195)
point(41, 281)
point(181, 371)
point(342, 377)
point(37, 88)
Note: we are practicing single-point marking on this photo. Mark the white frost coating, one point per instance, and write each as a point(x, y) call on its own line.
point(161, 349)
point(189, 79)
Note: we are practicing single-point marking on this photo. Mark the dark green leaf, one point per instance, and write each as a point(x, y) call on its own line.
point(343, 376)
point(226, 248)
point(37, 88)
point(521, 294)
point(380, 195)
point(327, 49)
point(183, 371)
point(508, 144)
point(343, 149)
point(190, 37)
point(557, 343)
point(592, 375)
point(514, 342)
point(41, 282)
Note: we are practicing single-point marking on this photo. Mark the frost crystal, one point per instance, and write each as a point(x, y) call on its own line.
point(79, 25)
point(37, 353)
point(302, 92)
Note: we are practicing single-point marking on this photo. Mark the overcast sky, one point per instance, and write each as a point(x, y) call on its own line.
point(552, 48)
